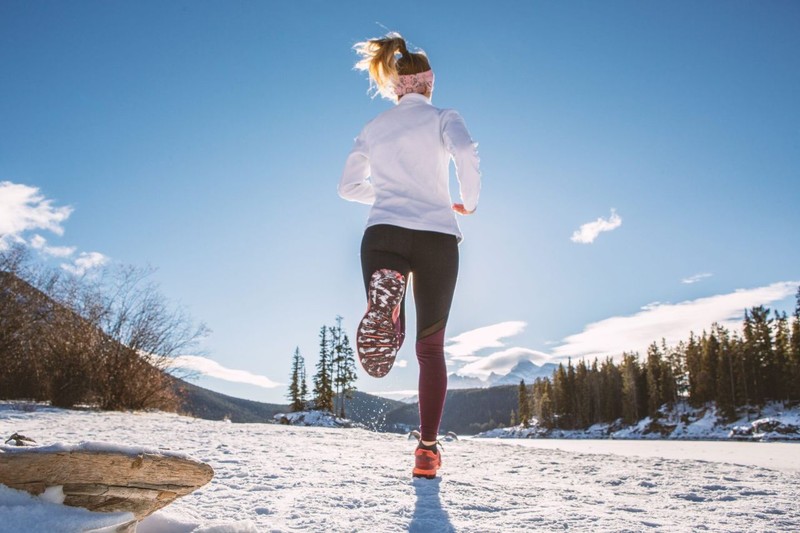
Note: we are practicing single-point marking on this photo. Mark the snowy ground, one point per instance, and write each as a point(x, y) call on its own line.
point(287, 478)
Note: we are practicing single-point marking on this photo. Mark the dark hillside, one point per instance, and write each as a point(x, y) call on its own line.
point(203, 403)
point(466, 411)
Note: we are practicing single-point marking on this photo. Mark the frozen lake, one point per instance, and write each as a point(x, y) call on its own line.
point(782, 456)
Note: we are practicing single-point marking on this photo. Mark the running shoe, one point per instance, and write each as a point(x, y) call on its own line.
point(427, 462)
point(378, 336)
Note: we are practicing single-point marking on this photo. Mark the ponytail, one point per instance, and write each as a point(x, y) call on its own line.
point(379, 58)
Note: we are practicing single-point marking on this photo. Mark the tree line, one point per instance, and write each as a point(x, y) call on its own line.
point(732, 369)
point(105, 340)
point(334, 381)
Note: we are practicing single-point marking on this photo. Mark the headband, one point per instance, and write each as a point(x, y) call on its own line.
point(414, 83)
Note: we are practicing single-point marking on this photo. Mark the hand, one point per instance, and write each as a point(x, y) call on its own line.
point(459, 208)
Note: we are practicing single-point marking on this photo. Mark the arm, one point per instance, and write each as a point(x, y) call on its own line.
point(464, 152)
point(354, 184)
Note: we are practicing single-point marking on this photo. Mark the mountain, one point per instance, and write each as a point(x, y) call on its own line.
point(466, 411)
point(524, 370)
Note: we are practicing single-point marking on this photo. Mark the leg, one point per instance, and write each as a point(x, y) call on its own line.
point(385, 270)
point(435, 266)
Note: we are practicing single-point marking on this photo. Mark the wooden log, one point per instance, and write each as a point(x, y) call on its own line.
point(105, 481)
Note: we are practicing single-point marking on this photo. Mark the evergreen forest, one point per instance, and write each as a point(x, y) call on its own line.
point(733, 369)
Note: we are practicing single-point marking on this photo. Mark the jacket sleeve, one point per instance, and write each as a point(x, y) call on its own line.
point(355, 184)
point(464, 152)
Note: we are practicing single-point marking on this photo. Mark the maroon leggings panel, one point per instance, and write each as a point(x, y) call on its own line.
point(432, 258)
point(432, 384)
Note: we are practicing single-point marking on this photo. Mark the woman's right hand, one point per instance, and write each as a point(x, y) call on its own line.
point(461, 210)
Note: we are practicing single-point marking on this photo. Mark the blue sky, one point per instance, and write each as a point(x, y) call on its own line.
point(207, 138)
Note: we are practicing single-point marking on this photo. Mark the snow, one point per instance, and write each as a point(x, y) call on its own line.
point(20, 511)
point(316, 419)
point(93, 446)
point(272, 477)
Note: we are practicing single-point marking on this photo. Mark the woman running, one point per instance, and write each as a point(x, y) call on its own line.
point(400, 165)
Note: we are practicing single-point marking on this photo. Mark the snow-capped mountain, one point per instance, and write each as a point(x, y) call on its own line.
point(524, 370)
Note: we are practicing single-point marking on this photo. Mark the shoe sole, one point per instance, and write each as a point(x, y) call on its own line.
point(427, 474)
point(376, 337)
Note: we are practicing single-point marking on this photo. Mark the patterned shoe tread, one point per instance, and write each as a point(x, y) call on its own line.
point(377, 338)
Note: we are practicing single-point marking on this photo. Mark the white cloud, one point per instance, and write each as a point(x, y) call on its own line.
point(85, 262)
point(210, 368)
point(23, 208)
point(696, 278)
point(401, 363)
point(40, 243)
point(673, 322)
point(501, 362)
point(464, 346)
point(588, 232)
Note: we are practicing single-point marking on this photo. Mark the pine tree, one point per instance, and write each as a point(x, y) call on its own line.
point(342, 367)
point(524, 406)
point(545, 415)
point(781, 355)
point(612, 391)
point(572, 395)
point(654, 380)
point(323, 388)
point(794, 351)
point(693, 366)
point(595, 394)
point(758, 347)
point(630, 388)
point(707, 379)
point(583, 398)
point(725, 387)
point(347, 376)
point(303, 385)
point(297, 383)
point(676, 358)
point(559, 397)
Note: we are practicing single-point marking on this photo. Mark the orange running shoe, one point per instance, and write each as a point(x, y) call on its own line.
point(426, 462)
point(378, 337)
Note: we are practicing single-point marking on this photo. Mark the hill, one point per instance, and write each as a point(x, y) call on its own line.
point(199, 402)
point(466, 411)
point(203, 403)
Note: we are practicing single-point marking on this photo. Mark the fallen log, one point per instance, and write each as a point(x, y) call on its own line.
point(104, 477)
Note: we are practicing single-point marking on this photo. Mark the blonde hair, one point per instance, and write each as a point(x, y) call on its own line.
point(379, 58)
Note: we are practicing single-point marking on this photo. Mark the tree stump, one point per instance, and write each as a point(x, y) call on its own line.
point(113, 479)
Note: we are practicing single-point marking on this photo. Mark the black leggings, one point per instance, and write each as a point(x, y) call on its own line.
point(432, 258)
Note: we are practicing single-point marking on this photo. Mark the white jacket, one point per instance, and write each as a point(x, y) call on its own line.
point(400, 165)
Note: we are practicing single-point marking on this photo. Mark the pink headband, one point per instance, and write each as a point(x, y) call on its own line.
point(414, 83)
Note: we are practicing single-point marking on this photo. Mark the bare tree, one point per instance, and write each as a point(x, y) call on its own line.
point(141, 335)
point(107, 339)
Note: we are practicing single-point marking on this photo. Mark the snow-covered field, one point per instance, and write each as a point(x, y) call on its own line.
point(287, 478)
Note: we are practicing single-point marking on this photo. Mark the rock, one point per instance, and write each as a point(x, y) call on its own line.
point(113, 480)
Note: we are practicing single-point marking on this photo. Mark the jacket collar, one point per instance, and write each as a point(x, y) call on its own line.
point(415, 98)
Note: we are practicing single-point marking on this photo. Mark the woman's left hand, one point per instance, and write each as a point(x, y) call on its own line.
point(461, 210)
